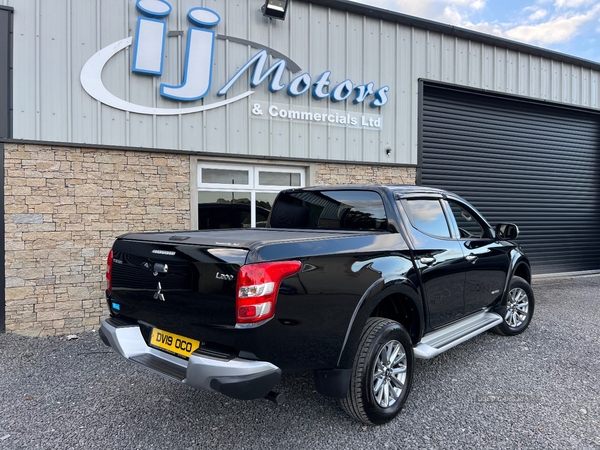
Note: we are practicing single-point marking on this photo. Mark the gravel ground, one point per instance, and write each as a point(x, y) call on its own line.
point(536, 390)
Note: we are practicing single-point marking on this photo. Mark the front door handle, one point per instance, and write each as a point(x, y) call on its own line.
point(471, 258)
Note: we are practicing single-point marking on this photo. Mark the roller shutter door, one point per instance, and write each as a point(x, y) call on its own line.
point(533, 164)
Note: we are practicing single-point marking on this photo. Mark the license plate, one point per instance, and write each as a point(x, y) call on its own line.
point(174, 343)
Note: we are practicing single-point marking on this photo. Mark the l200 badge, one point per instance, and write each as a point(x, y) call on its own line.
point(224, 276)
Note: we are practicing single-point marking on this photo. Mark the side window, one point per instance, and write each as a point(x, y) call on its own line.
point(468, 226)
point(427, 215)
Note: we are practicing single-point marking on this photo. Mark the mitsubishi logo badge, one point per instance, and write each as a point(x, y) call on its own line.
point(158, 295)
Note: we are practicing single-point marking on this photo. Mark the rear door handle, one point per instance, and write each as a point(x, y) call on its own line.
point(427, 260)
point(471, 258)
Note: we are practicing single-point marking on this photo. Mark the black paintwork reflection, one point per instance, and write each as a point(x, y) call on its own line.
point(310, 325)
point(460, 276)
point(193, 295)
point(486, 275)
point(443, 281)
point(385, 266)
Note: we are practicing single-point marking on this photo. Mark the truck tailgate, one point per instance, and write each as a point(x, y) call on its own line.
point(174, 286)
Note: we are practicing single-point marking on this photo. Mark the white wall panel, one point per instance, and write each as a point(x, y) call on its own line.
point(475, 62)
point(372, 57)
point(461, 61)
point(355, 50)
point(488, 67)
point(389, 72)
point(54, 39)
point(594, 90)
point(53, 101)
point(404, 101)
point(25, 85)
point(298, 50)
point(520, 75)
point(567, 86)
point(84, 109)
point(341, 69)
point(512, 72)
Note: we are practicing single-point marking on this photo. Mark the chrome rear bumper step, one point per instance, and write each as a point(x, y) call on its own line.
point(235, 377)
point(159, 365)
point(445, 338)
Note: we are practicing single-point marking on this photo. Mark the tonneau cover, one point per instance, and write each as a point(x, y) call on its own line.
point(248, 238)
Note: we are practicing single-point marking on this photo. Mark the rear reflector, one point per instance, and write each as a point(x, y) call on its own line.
point(257, 287)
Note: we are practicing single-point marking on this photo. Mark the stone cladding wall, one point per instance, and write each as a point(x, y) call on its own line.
point(362, 174)
point(63, 209)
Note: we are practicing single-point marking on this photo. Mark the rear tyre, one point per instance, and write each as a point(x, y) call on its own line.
point(381, 374)
point(517, 310)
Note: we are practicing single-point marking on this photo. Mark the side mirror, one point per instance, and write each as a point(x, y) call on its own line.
point(507, 231)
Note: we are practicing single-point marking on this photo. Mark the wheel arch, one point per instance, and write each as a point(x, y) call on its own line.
point(522, 270)
point(398, 300)
point(520, 267)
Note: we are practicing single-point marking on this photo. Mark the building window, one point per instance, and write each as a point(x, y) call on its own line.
point(241, 196)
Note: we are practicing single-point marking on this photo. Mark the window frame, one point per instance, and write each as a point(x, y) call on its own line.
point(253, 187)
point(444, 208)
point(487, 230)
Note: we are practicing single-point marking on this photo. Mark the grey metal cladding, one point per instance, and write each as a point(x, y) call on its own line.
point(53, 39)
point(5, 73)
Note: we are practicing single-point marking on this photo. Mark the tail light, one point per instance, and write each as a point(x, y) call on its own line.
point(109, 262)
point(257, 287)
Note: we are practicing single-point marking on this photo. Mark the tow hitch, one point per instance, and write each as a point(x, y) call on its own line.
point(275, 397)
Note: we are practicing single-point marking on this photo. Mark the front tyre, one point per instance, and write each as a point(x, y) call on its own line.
point(518, 308)
point(381, 374)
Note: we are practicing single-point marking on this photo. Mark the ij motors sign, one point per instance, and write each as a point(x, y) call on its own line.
point(149, 57)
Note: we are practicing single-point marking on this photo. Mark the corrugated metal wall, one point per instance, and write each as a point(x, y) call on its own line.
point(5, 73)
point(57, 37)
point(535, 165)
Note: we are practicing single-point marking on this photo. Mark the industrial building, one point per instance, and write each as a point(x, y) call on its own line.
point(124, 115)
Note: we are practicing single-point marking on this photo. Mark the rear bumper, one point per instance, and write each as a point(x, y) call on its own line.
point(237, 377)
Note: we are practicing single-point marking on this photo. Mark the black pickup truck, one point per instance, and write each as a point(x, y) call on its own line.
point(349, 282)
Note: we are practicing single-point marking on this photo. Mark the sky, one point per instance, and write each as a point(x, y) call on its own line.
point(565, 26)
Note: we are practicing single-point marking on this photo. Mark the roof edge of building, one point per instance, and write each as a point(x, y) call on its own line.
point(417, 22)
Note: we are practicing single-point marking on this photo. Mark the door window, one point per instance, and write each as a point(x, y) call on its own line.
point(468, 225)
point(427, 215)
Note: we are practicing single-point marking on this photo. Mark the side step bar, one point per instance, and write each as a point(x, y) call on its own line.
point(441, 340)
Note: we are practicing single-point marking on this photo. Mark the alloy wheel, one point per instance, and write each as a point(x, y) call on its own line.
point(517, 307)
point(389, 374)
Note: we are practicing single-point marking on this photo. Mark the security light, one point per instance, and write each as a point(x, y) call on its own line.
point(275, 9)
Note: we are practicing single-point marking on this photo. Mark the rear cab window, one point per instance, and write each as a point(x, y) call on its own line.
point(330, 210)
